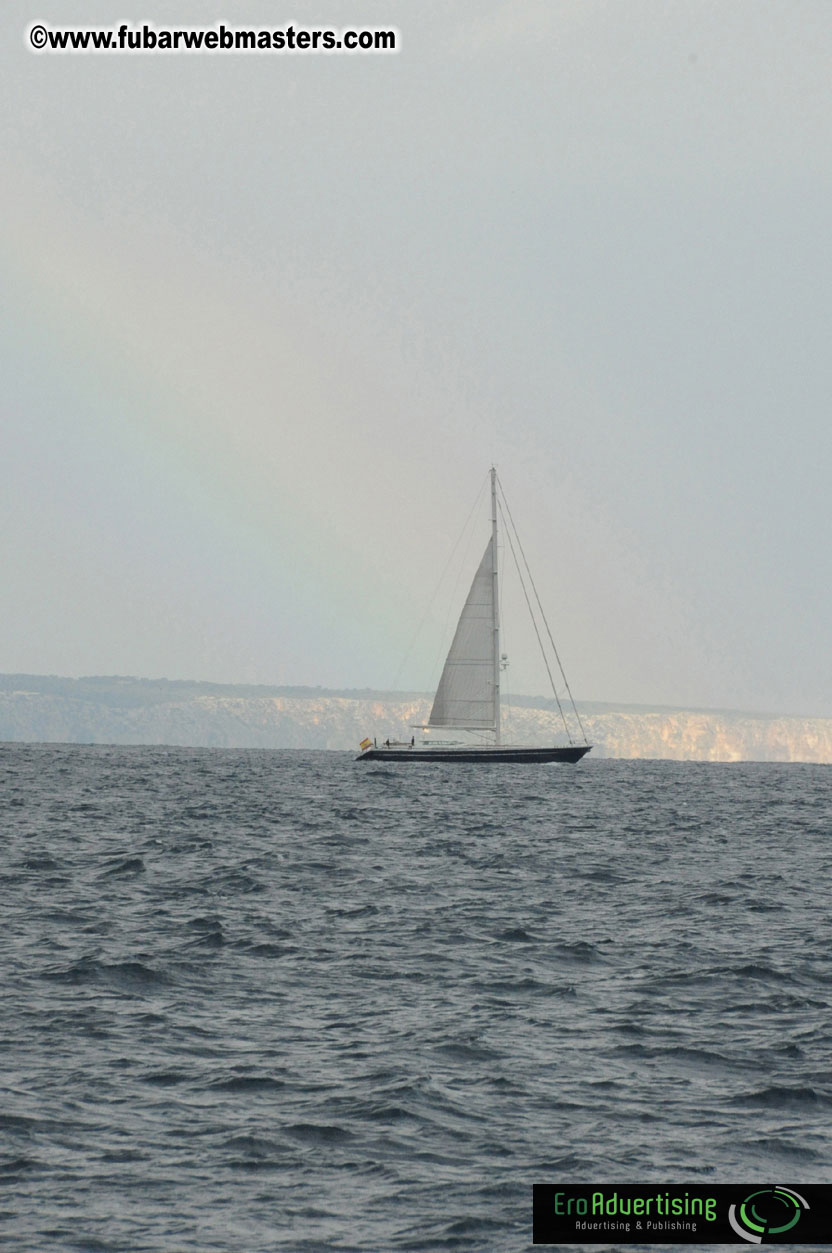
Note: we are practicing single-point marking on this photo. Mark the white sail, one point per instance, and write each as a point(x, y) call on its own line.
point(466, 693)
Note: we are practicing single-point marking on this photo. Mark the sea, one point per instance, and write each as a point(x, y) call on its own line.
point(259, 1000)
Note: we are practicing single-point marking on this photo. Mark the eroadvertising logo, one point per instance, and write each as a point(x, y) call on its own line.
point(690, 1213)
point(766, 1213)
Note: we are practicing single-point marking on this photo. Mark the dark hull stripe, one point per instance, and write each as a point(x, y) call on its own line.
point(519, 756)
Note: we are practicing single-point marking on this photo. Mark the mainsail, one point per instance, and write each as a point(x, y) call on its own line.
point(466, 693)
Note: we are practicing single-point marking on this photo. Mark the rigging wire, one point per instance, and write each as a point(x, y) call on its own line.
point(534, 624)
point(543, 616)
point(439, 581)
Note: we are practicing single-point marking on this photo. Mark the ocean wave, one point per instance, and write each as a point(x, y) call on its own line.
point(277, 1001)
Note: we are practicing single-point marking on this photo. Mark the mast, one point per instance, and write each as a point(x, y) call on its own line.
point(495, 588)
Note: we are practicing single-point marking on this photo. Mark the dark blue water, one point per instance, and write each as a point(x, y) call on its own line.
point(257, 1001)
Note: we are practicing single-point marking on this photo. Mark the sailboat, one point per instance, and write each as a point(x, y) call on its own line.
point(468, 696)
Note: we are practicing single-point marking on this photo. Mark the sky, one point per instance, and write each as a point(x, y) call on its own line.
point(267, 320)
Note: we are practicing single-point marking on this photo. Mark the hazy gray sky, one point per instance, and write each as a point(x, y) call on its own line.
point(267, 320)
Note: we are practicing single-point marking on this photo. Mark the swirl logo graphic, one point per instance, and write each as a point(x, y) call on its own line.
point(766, 1215)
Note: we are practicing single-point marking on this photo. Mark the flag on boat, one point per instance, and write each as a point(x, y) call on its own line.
point(365, 744)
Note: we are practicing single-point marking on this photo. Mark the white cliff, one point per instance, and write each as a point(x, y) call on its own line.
point(135, 711)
